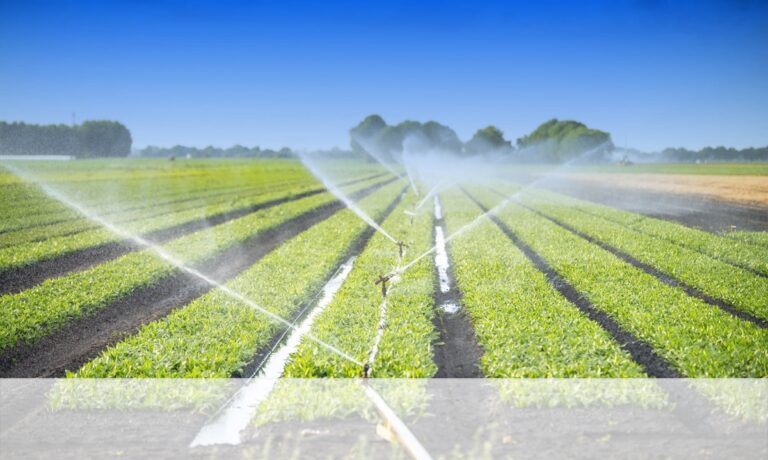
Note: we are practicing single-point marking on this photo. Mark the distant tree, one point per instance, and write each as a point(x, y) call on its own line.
point(557, 140)
point(104, 139)
point(374, 136)
point(367, 130)
point(487, 140)
point(91, 139)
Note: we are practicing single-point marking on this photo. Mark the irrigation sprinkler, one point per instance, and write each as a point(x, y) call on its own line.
point(401, 245)
point(411, 214)
point(383, 279)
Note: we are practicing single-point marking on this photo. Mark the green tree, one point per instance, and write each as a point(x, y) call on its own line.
point(486, 140)
point(104, 139)
point(558, 140)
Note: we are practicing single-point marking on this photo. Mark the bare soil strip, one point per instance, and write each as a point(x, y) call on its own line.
point(661, 276)
point(456, 351)
point(742, 189)
point(82, 340)
point(699, 211)
point(641, 352)
point(22, 278)
point(261, 356)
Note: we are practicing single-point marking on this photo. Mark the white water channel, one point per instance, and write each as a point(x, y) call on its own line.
point(441, 260)
point(235, 417)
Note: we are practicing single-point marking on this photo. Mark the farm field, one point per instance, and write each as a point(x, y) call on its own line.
point(150, 268)
point(331, 273)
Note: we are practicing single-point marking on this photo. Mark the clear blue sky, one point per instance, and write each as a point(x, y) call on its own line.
point(300, 74)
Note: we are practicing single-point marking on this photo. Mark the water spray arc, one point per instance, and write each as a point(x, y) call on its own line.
point(315, 170)
point(371, 152)
point(161, 253)
point(514, 197)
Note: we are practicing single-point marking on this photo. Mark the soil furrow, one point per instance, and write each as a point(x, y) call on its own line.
point(456, 352)
point(641, 352)
point(19, 279)
point(661, 276)
point(81, 340)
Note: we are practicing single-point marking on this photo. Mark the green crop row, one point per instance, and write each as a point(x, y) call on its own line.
point(755, 238)
point(696, 338)
point(122, 185)
point(139, 216)
point(33, 313)
point(216, 335)
point(29, 253)
point(740, 253)
point(525, 327)
point(742, 289)
point(351, 321)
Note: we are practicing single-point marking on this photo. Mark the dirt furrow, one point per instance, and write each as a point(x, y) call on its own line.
point(456, 351)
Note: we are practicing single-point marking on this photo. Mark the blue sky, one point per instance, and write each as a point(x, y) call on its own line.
point(300, 74)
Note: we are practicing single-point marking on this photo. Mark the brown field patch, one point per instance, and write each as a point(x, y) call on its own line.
point(745, 190)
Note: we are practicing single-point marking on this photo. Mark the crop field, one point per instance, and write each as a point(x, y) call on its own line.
point(204, 268)
point(310, 276)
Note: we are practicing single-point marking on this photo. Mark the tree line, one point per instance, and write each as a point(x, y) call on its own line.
point(99, 138)
point(553, 140)
point(236, 151)
point(713, 154)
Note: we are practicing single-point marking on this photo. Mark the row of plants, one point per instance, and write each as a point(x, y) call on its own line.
point(695, 338)
point(744, 254)
point(28, 253)
point(755, 238)
point(524, 325)
point(351, 321)
point(741, 288)
point(120, 187)
point(143, 215)
point(217, 335)
point(33, 313)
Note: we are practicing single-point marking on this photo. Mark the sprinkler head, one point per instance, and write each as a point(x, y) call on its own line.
point(383, 281)
point(401, 245)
